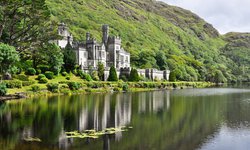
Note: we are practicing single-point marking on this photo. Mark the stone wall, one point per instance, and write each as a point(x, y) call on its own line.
point(152, 74)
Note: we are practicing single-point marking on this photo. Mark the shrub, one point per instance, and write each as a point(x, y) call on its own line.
point(134, 77)
point(49, 75)
point(43, 80)
point(38, 71)
point(88, 90)
point(22, 77)
point(43, 68)
point(53, 87)
point(31, 71)
point(116, 89)
point(125, 87)
point(172, 76)
point(13, 84)
point(112, 74)
point(74, 85)
point(64, 73)
point(67, 78)
point(123, 78)
point(75, 72)
point(94, 76)
point(84, 76)
point(65, 91)
point(35, 88)
point(3, 89)
point(27, 83)
point(40, 76)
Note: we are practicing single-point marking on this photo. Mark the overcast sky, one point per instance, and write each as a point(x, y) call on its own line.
point(225, 15)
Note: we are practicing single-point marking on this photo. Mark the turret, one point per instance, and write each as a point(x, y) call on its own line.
point(65, 34)
point(105, 34)
point(87, 36)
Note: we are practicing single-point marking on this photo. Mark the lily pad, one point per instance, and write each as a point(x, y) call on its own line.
point(95, 134)
point(30, 139)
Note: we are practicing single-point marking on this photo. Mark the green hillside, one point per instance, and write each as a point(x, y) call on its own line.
point(156, 34)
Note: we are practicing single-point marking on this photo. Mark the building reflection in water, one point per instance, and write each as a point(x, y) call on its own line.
point(85, 112)
point(153, 101)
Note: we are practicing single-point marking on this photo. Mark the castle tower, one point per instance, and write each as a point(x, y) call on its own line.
point(105, 34)
point(66, 36)
point(87, 36)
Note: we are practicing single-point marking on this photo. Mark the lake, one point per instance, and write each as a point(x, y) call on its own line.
point(188, 119)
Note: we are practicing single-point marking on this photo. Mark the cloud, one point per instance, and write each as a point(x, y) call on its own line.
point(225, 15)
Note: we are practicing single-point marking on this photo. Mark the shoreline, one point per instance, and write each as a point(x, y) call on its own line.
point(113, 87)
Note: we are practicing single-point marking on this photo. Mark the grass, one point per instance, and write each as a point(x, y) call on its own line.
point(102, 86)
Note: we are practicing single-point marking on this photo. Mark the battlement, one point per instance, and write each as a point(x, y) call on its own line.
point(114, 40)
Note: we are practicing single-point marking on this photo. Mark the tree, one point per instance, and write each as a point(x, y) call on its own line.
point(147, 59)
point(172, 76)
point(55, 58)
point(100, 71)
point(8, 58)
point(25, 24)
point(134, 77)
point(219, 77)
point(49, 55)
point(112, 74)
point(69, 58)
point(161, 60)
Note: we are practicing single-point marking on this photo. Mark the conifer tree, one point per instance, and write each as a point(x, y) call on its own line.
point(172, 76)
point(100, 71)
point(69, 58)
point(112, 74)
point(134, 77)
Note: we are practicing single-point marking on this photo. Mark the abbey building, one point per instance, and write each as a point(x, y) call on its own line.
point(109, 52)
point(90, 52)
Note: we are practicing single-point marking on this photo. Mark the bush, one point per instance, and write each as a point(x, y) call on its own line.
point(40, 76)
point(22, 77)
point(3, 89)
point(53, 87)
point(74, 85)
point(112, 74)
point(43, 80)
point(31, 71)
point(123, 78)
point(94, 76)
point(67, 78)
point(11, 84)
point(38, 71)
point(125, 87)
point(64, 73)
point(172, 76)
point(116, 89)
point(75, 72)
point(43, 68)
point(84, 76)
point(27, 83)
point(134, 77)
point(35, 88)
point(49, 75)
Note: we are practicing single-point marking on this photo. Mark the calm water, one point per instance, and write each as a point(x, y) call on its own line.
point(205, 119)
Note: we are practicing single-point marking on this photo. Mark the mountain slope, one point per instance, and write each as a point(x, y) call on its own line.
point(151, 31)
point(238, 49)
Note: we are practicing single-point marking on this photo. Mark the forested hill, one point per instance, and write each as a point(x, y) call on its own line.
point(158, 36)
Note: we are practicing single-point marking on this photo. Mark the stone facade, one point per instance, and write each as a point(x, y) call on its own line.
point(90, 52)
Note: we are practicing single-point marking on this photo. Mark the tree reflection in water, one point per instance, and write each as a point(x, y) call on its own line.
point(160, 120)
